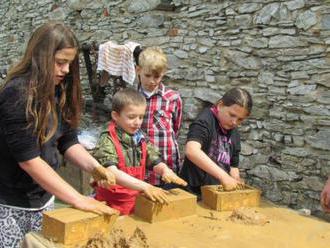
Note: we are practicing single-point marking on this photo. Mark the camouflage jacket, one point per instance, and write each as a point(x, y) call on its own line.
point(106, 154)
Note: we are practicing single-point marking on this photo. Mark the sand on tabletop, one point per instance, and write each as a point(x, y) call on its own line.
point(266, 226)
point(279, 227)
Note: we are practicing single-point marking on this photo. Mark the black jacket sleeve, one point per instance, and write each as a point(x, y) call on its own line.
point(19, 136)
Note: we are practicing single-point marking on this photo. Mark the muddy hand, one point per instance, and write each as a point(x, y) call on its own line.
point(102, 177)
point(242, 182)
point(92, 205)
point(156, 194)
point(170, 177)
point(324, 205)
point(240, 186)
point(230, 184)
point(325, 200)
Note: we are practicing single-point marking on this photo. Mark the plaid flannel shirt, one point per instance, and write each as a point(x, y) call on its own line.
point(161, 123)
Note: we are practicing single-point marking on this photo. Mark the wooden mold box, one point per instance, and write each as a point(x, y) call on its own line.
point(221, 200)
point(69, 226)
point(181, 204)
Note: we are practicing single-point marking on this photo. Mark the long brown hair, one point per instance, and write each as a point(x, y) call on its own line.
point(38, 64)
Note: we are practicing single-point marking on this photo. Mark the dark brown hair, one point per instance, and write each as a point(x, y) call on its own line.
point(238, 96)
point(38, 64)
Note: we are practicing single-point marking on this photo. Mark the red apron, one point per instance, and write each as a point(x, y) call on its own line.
point(119, 197)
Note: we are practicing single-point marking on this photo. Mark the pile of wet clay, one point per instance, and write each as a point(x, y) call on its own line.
point(248, 216)
point(117, 239)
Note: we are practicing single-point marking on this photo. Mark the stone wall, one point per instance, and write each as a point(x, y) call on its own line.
point(278, 50)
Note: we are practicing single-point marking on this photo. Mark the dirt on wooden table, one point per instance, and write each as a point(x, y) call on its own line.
point(266, 226)
point(118, 239)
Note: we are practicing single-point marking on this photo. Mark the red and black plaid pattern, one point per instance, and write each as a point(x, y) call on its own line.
point(161, 123)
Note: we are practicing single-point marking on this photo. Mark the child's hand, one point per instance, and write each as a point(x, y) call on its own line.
point(229, 184)
point(234, 173)
point(156, 194)
point(103, 177)
point(241, 181)
point(325, 197)
point(89, 204)
point(170, 177)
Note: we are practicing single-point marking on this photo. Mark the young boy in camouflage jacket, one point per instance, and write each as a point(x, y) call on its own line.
point(124, 149)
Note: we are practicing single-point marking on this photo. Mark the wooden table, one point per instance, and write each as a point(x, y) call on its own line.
point(211, 229)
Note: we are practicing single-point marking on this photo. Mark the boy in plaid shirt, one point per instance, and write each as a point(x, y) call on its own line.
point(163, 116)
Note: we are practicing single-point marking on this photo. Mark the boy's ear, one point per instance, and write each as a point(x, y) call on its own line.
point(219, 103)
point(114, 115)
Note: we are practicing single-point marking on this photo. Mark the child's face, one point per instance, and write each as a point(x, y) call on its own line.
point(149, 80)
point(231, 116)
point(130, 118)
point(63, 59)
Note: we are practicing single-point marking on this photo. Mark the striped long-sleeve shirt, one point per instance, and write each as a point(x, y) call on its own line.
point(118, 60)
point(161, 123)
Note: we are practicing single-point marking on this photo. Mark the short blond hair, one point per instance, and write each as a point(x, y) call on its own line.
point(153, 59)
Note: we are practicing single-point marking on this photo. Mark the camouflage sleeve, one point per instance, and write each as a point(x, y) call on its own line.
point(153, 155)
point(105, 152)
